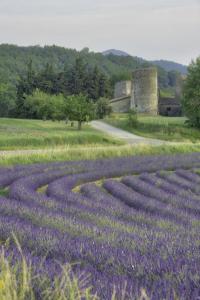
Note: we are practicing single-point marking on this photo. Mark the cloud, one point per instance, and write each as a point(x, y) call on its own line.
point(151, 29)
point(51, 7)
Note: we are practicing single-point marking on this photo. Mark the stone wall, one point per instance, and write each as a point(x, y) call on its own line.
point(142, 94)
point(144, 97)
point(169, 107)
point(121, 105)
point(122, 89)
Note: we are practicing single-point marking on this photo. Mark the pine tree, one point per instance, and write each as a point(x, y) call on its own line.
point(76, 80)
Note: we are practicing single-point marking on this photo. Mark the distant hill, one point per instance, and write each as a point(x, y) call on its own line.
point(170, 66)
point(14, 60)
point(164, 64)
point(115, 52)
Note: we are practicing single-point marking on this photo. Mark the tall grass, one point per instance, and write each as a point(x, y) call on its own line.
point(165, 128)
point(17, 282)
point(82, 153)
point(33, 134)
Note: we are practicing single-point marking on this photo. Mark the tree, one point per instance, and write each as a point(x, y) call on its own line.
point(40, 105)
point(97, 84)
point(92, 83)
point(76, 78)
point(104, 86)
point(79, 108)
point(191, 94)
point(46, 80)
point(103, 108)
point(25, 86)
point(7, 100)
point(173, 77)
point(132, 118)
point(163, 79)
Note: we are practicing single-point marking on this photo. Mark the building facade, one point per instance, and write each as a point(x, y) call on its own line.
point(142, 94)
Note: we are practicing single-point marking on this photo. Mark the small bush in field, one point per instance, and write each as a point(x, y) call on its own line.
point(132, 118)
point(103, 108)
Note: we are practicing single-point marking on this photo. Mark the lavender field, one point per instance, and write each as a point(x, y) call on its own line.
point(131, 223)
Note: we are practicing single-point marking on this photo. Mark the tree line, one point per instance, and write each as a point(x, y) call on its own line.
point(46, 94)
point(55, 70)
point(80, 79)
point(191, 94)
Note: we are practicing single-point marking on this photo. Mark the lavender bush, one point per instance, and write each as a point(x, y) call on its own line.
point(131, 224)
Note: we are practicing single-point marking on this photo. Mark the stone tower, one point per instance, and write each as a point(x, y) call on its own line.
point(123, 89)
point(144, 96)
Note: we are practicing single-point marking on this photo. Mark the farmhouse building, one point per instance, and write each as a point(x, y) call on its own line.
point(142, 94)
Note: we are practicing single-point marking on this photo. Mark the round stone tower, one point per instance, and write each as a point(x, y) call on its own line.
point(144, 98)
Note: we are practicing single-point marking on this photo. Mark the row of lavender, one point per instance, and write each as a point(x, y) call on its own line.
point(140, 230)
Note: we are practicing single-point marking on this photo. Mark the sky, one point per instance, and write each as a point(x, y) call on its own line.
point(152, 29)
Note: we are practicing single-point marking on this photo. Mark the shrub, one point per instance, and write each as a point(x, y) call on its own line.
point(191, 94)
point(103, 108)
point(40, 105)
point(132, 118)
point(79, 108)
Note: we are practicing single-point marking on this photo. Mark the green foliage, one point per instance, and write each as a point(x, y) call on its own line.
point(132, 118)
point(163, 80)
point(173, 76)
point(191, 94)
point(158, 127)
point(103, 108)
point(4, 192)
point(79, 108)
point(167, 93)
point(40, 105)
point(79, 79)
point(13, 62)
point(89, 81)
point(56, 70)
point(48, 80)
point(7, 100)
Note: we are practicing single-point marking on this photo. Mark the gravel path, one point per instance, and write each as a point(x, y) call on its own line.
point(127, 137)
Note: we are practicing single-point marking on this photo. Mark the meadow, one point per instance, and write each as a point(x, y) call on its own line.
point(126, 226)
point(36, 141)
point(173, 129)
point(36, 134)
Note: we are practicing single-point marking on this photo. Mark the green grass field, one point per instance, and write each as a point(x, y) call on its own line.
point(82, 153)
point(55, 141)
point(34, 134)
point(165, 128)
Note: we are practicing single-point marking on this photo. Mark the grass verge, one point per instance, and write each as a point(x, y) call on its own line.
point(33, 134)
point(83, 153)
point(164, 128)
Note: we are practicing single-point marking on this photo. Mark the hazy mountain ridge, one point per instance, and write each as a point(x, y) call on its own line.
point(115, 52)
point(14, 60)
point(170, 66)
point(165, 64)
